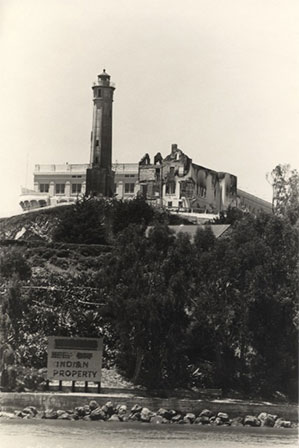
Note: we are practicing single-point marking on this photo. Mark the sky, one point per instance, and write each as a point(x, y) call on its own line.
point(218, 77)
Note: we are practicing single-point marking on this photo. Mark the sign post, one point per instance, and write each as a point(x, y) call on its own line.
point(75, 359)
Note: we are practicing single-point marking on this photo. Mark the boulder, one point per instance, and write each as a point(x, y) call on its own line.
point(93, 405)
point(164, 413)
point(189, 418)
point(136, 408)
point(50, 414)
point(177, 418)
point(135, 416)
point(80, 411)
point(145, 415)
point(202, 420)
point(237, 421)
point(30, 410)
point(218, 421)
point(267, 419)
point(65, 416)
point(86, 409)
point(251, 420)
point(122, 409)
point(123, 418)
point(9, 415)
point(108, 408)
point(86, 417)
point(206, 413)
point(114, 418)
point(98, 414)
point(224, 416)
point(165, 421)
point(157, 419)
point(281, 423)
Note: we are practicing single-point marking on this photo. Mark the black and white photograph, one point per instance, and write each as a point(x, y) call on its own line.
point(149, 223)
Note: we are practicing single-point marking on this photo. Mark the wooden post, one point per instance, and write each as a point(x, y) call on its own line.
point(73, 386)
point(47, 385)
point(60, 385)
point(86, 386)
point(99, 387)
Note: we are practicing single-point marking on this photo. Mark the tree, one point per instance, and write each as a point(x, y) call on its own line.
point(83, 223)
point(145, 285)
point(245, 306)
point(124, 213)
point(285, 184)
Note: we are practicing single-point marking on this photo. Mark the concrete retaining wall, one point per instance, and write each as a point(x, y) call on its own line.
point(10, 401)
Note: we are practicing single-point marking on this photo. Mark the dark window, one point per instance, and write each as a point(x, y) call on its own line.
point(97, 142)
point(169, 204)
point(76, 188)
point(59, 188)
point(44, 188)
point(170, 188)
point(99, 93)
point(129, 188)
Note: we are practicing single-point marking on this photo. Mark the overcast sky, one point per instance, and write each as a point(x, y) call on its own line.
point(218, 77)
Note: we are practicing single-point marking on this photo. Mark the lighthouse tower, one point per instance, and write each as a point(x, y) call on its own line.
point(100, 177)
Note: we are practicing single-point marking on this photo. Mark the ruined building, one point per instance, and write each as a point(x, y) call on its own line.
point(176, 182)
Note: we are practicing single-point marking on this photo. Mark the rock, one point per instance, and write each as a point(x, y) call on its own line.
point(165, 413)
point(281, 423)
point(145, 415)
point(80, 411)
point(114, 418)
point(123, 418)
point(206, 413)
point(108, 408)
point(224, 416)
point(65, 416)
point(157, 419)
point(267, 419)
point(50, 414)
point(183, 421)
point(251, 420)
point(93, 405)
point(122, 409)
point(8, 415)
point(135, 416)
point(98, 414)
point(19, 414)
point(86, 409)
point(136, 408)
point(86, 417)
point(177, 418)
point(189, 418)
point(202, 420)
point(218, 421)
point(165, 421)
point(237, 421)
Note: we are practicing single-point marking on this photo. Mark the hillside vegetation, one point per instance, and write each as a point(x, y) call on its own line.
point(173, 312)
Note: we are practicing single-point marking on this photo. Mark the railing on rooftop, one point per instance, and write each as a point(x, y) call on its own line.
point(62, 168)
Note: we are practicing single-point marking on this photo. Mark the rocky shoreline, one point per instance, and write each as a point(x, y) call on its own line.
point(121, 413)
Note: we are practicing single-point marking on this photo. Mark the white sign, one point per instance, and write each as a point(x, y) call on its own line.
point(74, 359)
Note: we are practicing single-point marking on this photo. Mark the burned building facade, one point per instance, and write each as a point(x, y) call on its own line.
point(176, 182)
